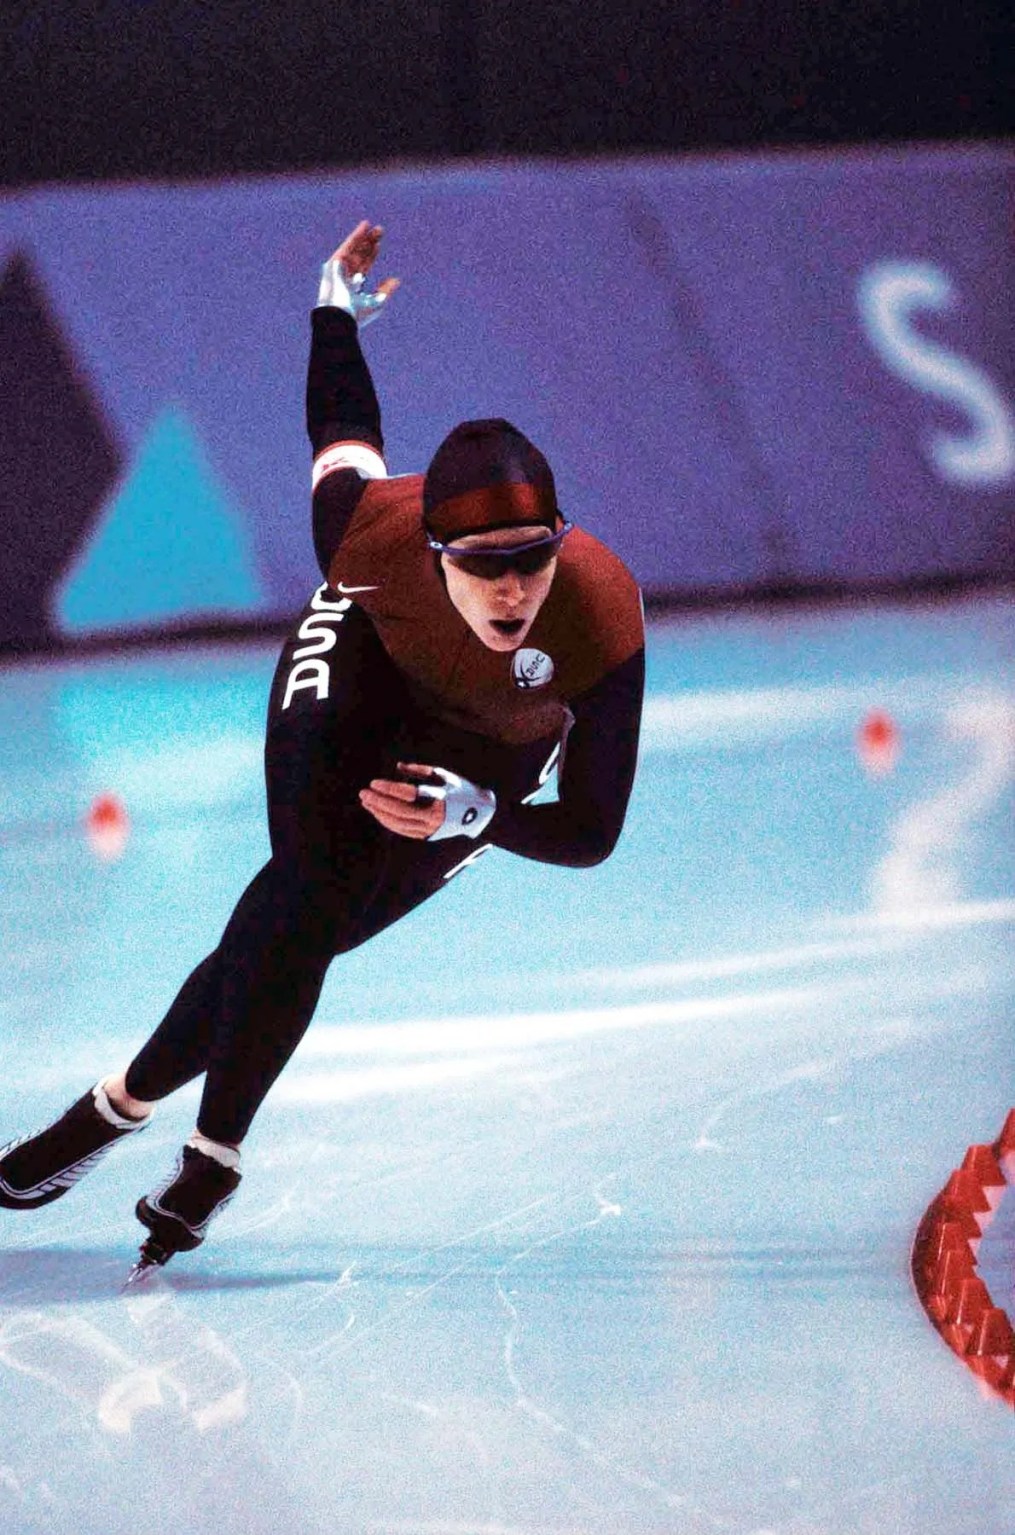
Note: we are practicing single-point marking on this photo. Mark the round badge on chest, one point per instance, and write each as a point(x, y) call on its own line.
point(531, 669)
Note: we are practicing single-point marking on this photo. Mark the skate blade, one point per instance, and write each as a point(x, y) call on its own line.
point(151, 1258)
point(138, 1274)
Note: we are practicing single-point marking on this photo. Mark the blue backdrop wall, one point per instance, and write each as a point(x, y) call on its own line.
point(747, 371)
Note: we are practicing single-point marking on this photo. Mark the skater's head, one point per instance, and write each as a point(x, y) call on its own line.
point(487, 475)
point(491, 516)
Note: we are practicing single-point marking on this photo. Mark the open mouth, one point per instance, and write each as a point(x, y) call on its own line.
point(507, 626)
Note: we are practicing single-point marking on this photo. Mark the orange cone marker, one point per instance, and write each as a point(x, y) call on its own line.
point(108, 827)
point(878, 743)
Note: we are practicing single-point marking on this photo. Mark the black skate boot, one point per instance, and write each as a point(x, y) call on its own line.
point(36, 1169)
point(177, 1215)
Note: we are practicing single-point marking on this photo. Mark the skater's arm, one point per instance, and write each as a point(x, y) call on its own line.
point(595, 779)
point(343, 414)
point(342, 407)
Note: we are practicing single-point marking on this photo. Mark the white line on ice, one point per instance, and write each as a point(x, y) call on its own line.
point(483, 1033)
point(725, 967)
point(456, 1046)
point(929, 918)
point(347, 1086)
point(724, 719)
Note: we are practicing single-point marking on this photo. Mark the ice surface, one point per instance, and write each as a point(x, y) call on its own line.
point(594, 1220)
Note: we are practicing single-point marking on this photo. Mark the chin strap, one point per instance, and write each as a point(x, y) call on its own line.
point(339, 291)
point(468, 809)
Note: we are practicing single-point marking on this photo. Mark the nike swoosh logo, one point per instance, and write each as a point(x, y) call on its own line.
point(347, 591)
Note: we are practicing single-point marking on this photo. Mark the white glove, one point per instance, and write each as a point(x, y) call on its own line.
point(339, 291)
point(468, 809)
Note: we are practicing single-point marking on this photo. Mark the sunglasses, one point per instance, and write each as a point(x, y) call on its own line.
point(490, 562)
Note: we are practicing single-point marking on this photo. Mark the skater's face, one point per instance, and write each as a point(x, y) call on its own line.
point(500, 610)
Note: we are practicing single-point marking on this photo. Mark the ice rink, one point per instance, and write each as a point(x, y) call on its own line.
point(585, 1207)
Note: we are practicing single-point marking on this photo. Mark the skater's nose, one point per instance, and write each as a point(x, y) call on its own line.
point(509, 588)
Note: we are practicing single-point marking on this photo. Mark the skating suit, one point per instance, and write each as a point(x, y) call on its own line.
point(381, 668)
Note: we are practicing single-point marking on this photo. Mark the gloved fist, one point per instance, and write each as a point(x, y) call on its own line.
point(430, 810)
point(468, 809)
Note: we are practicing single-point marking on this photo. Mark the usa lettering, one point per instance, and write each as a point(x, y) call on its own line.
point(319, 630)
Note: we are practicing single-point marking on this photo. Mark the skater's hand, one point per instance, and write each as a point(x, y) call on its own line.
point(440, 804)
point(397, 806)
point(358, 252)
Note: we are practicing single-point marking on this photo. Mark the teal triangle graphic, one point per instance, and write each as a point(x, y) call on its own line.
point(169, 545)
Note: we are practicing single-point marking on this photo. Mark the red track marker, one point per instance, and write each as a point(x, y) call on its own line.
point(982, 1162)
point(878, 743)
point(955, 1298)
point(108, 827)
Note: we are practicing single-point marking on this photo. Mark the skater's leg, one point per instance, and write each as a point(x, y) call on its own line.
point(324, 741)
point(177, 1051)
point(334, 879)
point(242, 1012)
point(258, 990)
point(274, 961)
point(310, 734)
point(297, 948)
point(123, 1103)
point(271, 992)
point(321, 741)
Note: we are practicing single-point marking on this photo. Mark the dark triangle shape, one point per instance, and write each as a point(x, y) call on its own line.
point(58, 461)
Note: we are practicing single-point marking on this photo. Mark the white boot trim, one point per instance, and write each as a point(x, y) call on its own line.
point(225, 1156)
point(107, 1112)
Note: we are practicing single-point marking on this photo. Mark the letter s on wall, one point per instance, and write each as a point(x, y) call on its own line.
point(888, 296)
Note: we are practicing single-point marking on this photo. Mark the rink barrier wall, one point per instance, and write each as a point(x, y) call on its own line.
point(943, 1264)
point(755, 376)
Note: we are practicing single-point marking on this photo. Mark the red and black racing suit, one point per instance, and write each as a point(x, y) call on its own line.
point(384, 673)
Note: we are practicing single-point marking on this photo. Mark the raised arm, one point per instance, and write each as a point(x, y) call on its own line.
point(343, 415)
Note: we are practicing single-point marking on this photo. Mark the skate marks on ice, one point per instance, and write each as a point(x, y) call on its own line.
point(917, 900)
point(195, 1366)
point(116, 1418)
point(548, 1421)
point(511, 1421)
point(427, 1262)
point(161, 1359)
point(158, 1384)
point(841, 1004)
